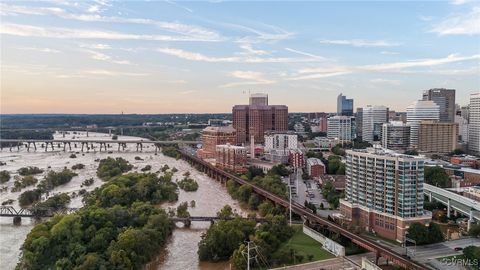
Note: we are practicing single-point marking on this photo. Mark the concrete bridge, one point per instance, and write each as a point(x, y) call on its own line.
point(453, 201)
point(306, 214)
point(87, 145)
point(187, 221)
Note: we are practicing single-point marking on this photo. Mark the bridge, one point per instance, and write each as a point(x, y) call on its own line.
point(34, 212)
point(87, 145)
point(306, 214)
point(187, 221)
point(453, 201)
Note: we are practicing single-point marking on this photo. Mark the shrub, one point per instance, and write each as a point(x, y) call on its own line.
point(29, 197)
point(146, 168)
point(188, 184)
point(111, 167)
point(87, 182)
point(73, 156)
point(4, 176)
point(29, 171)
point(78, 166)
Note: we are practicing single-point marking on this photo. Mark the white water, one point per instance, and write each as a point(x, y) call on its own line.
point(181, 251)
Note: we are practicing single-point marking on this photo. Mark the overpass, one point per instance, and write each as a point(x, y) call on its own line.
point(306, 214)
point(82, 144)
point(453, 201)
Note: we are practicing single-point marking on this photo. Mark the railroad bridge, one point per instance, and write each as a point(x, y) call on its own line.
point(187, 221)
point(87, 145)
point(34, 212)
point(308, 217)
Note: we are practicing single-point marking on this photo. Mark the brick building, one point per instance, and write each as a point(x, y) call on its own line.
point(213, 136)
point(231, 157)
point(315, 167)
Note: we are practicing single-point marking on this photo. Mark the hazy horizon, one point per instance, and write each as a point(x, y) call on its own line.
point(102, 57)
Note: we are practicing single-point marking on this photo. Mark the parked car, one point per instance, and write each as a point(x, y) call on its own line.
point(458, 249)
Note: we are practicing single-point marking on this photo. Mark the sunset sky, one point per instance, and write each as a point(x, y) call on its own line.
point(173, 57)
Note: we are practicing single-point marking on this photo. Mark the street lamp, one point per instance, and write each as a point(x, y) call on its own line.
point(290, 201)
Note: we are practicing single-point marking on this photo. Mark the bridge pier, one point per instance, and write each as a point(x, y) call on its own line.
point(17, 220)
point(448, 208)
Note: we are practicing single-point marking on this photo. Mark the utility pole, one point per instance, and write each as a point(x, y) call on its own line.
point(290, 192)
point(248, 256)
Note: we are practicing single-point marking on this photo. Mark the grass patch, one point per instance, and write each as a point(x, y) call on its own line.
point(309, 145)
point(304, 245)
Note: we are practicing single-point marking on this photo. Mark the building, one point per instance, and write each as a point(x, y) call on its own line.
point(296, 158)
point(325, 143)
point(299, 127)
point(258, 99)
point(462, 128)
point(445, 99)
point(420, 110)
point(397, 116)
point(344, 105)
point(231, 157)
point(359, 123)
point(437, 137)
point(281, 141)
point(396, 136)
point(315, 167)
point(341, 128)
point(474, 124)
point(467, 161)
point(213, 136)
point(278, 156)
point(255, 120)
point(384, 192)
point(373, 117)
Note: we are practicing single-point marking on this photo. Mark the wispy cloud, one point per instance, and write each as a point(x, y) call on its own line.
point(193, 56)
point(105, 72)
point(180, 6)
point(104, 57)
point(97, 46)
point(316, 73)
point(44, 50)
point(250, 50)
point(251, 77)
point(460, 2)
point(389, 53)
point(190, 32)
point(359, 42)
point(425, 18)
point(305, 54)
point(385, 81)
point(460, 24)
point(68, 33)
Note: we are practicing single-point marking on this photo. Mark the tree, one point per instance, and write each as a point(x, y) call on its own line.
point(472, 253)
point(435, 235)
point(418, 232)
point(437, 176)
point(411, 152)
point(4, 176)
point(182, 210)
point(29, 197)
point(280, 169)
point(253, 172)
point(474, 230)
point(110, 167)
point(225, 212)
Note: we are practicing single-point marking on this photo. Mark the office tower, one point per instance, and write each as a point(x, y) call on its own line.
point(213, 136)
point(359, 123)
point(258, 99)
point(341, 128)
point(344, 106)
point(231, 157)
point(280, 141)
point(474, 124)
point(315, 167)
point(384, 191)
point(462, 128)
point(445, 99)
point(437, 137)
point(396, 136)
point(373, 119)
point(420, 110)
point(397, 116)
point(255, 120)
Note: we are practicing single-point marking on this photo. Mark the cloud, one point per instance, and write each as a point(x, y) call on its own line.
point(316, 73)
point(250, 50)
point(191, 32)
point(359, 42)
point(385, 81)
point(104, 57)
point(67, 33)
point(252, 78)
point(425, 18)
point(44, 50)
point(460, 24)
point(112, 73)
point(305, 54)
point(460, 2)
point(180, 6)
point(193, 56)
point(389, 53)
point(273, 34)
point(97, 46)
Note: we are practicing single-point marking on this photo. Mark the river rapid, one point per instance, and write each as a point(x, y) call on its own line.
point(181, 250)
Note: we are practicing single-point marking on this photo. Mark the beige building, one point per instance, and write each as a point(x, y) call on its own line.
point(231, 157)
point(437, 137)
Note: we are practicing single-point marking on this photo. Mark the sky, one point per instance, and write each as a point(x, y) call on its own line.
point(195, 57)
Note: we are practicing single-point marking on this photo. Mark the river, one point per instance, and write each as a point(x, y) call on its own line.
point(181, 250)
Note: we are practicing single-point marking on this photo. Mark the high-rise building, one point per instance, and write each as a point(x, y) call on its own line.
point(258, 99)
point(474, 124)
point(445, 99)
point(213, 136)
point(437, 137)
point(420, 110)
point(280, 141)
point(255, 120)
point(344, 105)
point(373, 119)
point(231, 157)
point(396, 136)
point(341, 128)
point(359, 122)
point(384, 191)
